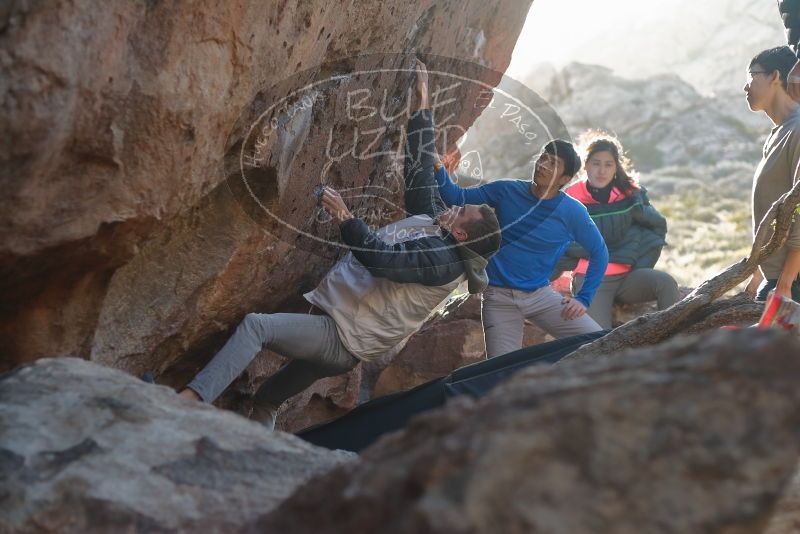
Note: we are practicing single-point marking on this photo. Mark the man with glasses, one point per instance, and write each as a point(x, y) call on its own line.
point(767, 91)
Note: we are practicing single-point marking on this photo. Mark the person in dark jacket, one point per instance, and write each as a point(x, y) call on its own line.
point(633, 230)
point(790, 13)
point(374, 297)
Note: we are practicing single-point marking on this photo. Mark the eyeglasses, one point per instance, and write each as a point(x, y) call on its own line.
point(751, 73)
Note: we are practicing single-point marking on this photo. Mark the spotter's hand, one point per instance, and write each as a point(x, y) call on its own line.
point(333, 203)
point(572, 309)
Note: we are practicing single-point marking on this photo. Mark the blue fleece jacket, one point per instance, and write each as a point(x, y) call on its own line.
point(535, 233)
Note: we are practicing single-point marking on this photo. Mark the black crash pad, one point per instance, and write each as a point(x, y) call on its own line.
point(367, 422)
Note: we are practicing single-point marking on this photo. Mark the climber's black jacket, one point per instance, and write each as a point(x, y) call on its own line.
point(383, 290)
point(416, 250)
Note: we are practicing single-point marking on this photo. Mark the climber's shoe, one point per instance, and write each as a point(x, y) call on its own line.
point(265, 414)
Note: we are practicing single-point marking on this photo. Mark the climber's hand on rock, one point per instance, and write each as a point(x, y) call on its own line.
point(422, 76)
point(333, 203)
point(421, 84)
point(572, 309)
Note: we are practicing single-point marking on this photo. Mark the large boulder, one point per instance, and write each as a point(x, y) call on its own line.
point(123, 237)
point(699, 434)
point(84, 448)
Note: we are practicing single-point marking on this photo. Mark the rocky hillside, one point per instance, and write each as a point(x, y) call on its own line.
point(662, 120)
point(124, 237)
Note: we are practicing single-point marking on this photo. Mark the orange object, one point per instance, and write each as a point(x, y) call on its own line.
point(612, 269)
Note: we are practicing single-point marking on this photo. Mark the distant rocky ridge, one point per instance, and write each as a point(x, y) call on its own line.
point(674, 91)
point(662, 121)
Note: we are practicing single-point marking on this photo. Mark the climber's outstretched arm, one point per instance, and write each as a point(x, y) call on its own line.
point(422, 194)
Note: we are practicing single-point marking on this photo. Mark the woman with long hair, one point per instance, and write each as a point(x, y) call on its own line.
point(634, 232)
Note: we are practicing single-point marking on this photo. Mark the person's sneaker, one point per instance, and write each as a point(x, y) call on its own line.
point(266, 414)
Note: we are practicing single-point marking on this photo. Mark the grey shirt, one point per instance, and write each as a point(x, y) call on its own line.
point(775, 175)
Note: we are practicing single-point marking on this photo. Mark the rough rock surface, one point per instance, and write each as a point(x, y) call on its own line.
point(84, 448)
point(696, 435)
point(121, 237)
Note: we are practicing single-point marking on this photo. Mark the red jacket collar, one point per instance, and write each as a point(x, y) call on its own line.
point(580, 193)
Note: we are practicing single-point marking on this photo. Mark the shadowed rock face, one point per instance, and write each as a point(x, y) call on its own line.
point(696, 435)
point(122, 234)
point(84, 448)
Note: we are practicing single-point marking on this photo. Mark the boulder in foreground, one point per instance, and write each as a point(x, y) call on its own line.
point(84, 448)
point(699, 434)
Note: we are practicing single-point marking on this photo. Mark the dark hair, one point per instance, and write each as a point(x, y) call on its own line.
point(594, 141)
point(780, 58)
point(483, 235)
point(565, 151)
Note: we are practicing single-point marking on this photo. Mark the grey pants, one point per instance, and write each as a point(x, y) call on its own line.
point(310, 340)
point(639, 285)
point(504, 310)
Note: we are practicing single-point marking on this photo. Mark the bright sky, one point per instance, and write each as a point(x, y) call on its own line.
point(557, 30)
point(706, 42)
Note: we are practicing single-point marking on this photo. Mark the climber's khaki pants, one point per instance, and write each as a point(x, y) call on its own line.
point(504, 311)
point(310, 340)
